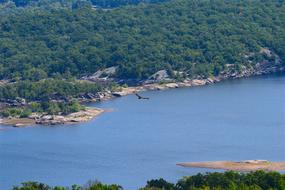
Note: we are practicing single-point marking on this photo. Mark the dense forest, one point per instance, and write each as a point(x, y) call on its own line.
point(196, 38)
point(258, 180)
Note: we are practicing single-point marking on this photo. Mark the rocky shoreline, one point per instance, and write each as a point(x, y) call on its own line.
point(191, 82)
point(160, 81)
point(90, 113)
point(44, 119)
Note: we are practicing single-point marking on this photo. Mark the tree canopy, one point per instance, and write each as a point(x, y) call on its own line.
point(197, 37)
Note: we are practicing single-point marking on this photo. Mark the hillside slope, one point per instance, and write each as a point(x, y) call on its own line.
point(197, 37)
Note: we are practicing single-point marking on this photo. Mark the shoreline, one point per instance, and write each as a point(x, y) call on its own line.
point(124, 91)
point(89, 114)
point(92, 112)
point(73, 118)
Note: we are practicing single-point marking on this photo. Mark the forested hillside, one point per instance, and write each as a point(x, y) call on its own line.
point(197, 37)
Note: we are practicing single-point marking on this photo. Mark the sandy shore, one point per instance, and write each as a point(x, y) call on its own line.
point(250, 165)
point(81, 116)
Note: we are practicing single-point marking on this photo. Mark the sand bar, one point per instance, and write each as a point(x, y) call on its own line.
point(247, 165)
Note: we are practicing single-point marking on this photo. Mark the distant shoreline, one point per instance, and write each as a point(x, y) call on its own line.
point(73, 118)
point(186, 83)
point(91, 113)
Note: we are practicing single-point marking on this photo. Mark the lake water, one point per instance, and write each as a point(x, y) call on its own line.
point(141, 140)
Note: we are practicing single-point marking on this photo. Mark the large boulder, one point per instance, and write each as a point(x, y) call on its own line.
point(159, 76)
point(102, 75)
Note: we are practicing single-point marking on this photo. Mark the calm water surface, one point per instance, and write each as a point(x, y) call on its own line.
point(141, 140)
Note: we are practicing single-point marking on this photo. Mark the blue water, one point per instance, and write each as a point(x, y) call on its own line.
point(141, 140)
